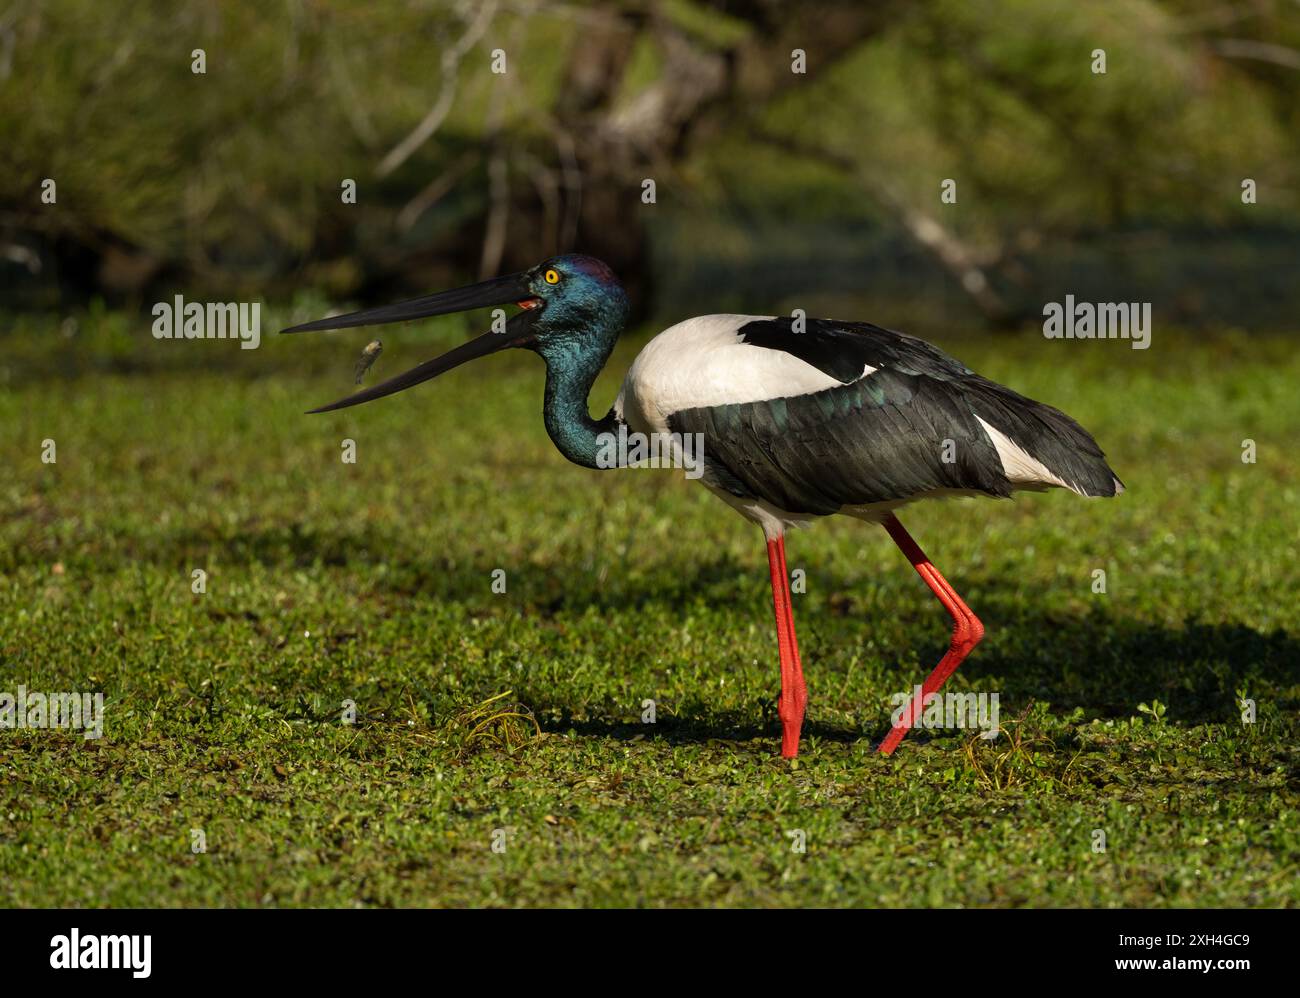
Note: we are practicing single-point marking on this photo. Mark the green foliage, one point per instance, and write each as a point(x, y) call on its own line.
point(232, 177)
point(1002, 97)
point(234, 173)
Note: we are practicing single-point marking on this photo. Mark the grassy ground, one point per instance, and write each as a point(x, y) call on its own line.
point(372, 582)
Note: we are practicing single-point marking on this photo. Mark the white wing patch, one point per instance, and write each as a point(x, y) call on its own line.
point(703, 362)
point(1021, 467)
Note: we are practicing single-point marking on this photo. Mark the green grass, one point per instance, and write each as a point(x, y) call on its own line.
point(373, 582)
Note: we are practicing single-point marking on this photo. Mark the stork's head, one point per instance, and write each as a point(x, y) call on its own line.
point(570, 305)
point(572, 291)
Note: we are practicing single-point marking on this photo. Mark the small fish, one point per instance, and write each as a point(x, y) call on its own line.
point(368, 356)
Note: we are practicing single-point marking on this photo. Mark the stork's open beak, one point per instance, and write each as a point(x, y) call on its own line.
point(499, 291)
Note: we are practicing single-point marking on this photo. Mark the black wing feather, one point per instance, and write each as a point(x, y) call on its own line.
point(906, 429)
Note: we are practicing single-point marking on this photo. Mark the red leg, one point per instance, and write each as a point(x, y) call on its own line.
point(966, 632)
point(794, 694)
point(794, 639)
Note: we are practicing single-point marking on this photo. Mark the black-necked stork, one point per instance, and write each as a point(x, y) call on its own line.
point(800, 419)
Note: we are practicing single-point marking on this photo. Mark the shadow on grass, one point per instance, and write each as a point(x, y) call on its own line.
point(1099, 662)
point(711, 725)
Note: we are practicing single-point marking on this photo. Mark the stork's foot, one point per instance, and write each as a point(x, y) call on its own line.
point(965, 636)
point(791, 711)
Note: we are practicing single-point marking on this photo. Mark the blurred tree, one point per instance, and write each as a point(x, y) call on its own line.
point(486, 135)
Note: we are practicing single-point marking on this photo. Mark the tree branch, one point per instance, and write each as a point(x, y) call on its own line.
point(430, 123)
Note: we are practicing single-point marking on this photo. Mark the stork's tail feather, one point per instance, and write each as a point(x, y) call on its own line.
point(1048, 448)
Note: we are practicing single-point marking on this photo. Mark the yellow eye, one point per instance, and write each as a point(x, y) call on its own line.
point(552, 277)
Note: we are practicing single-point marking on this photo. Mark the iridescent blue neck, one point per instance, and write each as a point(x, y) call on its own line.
point(574, 358)
point(568, 422)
